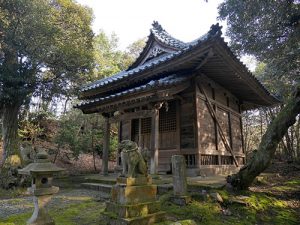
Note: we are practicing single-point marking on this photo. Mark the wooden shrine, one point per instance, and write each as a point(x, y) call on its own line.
point(180, 98)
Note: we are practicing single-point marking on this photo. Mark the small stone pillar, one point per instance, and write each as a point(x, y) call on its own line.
point(180, 196)
point(42, 171)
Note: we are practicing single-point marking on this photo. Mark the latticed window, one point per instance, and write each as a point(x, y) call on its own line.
point(209, 160)
point(226, 160)
point(190, 160)
point(135, 127)
point(146, 125)
point(167, 117)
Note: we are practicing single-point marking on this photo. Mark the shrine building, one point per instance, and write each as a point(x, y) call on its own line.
point(180, 98)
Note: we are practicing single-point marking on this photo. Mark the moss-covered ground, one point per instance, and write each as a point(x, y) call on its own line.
point(271, 203)
point(274, 201)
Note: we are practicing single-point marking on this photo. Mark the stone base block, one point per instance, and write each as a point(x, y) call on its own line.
point(181, 200)
point(130, 181)
point(133, 194)
point(136, 210)
point(143, 220)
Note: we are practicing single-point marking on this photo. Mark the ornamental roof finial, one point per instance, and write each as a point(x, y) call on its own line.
point(157, 26)
point(215, 29)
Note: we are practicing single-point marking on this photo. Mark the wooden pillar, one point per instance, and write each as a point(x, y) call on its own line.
point(105, 147)
point(119, 141)
point(154, 142)
point(140, 133)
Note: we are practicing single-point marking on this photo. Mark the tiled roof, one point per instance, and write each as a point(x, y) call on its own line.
point(170, 80)
point(133, 80)
point(164, 37)
point(148, 65)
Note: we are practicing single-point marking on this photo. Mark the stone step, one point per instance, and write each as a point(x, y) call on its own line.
point(105, 188)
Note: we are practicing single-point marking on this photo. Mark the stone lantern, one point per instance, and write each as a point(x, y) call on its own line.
point(42, 171)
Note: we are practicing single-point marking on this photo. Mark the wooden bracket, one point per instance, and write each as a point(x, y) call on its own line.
point(221, 132)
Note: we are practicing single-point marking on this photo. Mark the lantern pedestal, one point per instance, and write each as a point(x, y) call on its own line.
point(41, 198)
point(42, 171)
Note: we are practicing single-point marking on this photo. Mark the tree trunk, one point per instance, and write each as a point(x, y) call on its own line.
point(267, 147)
point(10, 131)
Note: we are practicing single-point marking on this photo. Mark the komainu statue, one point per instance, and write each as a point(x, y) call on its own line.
point(133, 162)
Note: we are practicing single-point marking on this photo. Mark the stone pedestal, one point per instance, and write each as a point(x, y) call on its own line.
point(41, 198)
point(180, 196)
point(42, 171)
point(133, 201)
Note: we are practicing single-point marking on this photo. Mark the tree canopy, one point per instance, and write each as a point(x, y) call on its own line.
point(269, 30)
point(45, 48)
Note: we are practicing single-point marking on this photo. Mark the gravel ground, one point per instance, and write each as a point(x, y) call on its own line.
point(65, 197)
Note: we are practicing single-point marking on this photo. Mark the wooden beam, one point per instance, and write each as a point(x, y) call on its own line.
point(132, 115)
point(140, 132)
point(209, 55)
point(105, 147)
point(178, 123)
point(198, 125)
point(220, 105)
point(222, 135)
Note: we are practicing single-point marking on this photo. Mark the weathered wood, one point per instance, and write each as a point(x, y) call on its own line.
point(211, 110)
point(140, 133)
point(132, 115)
point(178, 125)
point(154, 142)
point(218, 104)
point(198, 120)
point(209, 55)
point(105, 147)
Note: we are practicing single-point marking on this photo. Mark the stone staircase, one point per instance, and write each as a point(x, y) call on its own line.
point(104, 186)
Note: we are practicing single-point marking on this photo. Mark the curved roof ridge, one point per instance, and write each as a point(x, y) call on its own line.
point(163, 36)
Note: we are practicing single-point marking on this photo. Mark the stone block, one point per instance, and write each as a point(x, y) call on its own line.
point(181, 200)
point(179, 175)
point(134, 210)
point(143, 220)
point(130, 181)
point(122, 194)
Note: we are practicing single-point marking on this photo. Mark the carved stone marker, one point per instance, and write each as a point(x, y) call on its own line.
point(179, 180)
point(42, 171)
point(133, 198)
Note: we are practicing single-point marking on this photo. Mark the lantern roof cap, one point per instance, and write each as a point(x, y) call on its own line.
point(41, 165)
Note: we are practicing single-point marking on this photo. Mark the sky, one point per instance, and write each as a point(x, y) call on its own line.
point(131, 20)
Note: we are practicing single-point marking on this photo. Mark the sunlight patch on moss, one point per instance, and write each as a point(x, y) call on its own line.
point(87, 212)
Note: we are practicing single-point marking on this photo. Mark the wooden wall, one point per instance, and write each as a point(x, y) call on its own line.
point(187, 120)
point(211, 148)
point(196, 136)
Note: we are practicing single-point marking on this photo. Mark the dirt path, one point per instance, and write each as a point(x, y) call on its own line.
point(65, 197)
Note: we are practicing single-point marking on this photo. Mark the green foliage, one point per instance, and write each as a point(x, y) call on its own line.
point(269, 30)
point(45, 50)
point(83, 133)
point(134, 49)
point(44, 46)
point(109, 59)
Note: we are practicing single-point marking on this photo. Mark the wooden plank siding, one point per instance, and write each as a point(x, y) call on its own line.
point(186, 127)
point(212, 151)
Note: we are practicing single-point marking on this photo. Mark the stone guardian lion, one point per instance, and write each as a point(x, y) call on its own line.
point(133, 162)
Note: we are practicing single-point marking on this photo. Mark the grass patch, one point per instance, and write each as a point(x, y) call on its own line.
point(85, 212)
point(12, 193)
point(293, 183)
point(260, 209)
